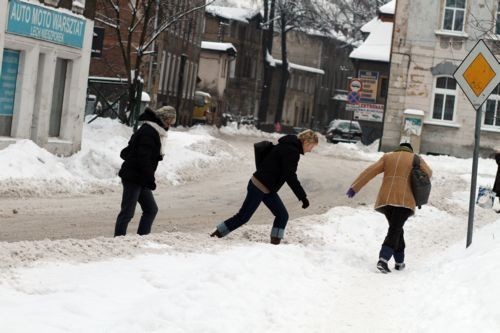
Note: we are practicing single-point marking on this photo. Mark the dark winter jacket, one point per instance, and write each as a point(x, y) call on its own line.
point(496, 187)
point(142, 154)
point(280, 166)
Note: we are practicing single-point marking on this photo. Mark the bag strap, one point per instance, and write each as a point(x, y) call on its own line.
point(416, 160)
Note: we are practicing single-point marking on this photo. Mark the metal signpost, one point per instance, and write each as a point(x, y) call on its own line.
point(477, 75)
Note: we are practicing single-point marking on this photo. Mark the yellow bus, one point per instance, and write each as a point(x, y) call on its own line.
point(202, 111)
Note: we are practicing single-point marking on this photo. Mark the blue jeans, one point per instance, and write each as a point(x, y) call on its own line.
point(133, 193)
point(252, 202)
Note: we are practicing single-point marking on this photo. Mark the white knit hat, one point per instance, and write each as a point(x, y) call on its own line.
point(167, 112)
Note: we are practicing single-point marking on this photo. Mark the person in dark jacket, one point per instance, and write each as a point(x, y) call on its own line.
point(278, 167)
point(145, 149)
point(496, 186)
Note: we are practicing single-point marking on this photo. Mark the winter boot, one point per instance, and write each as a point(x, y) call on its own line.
point(216, 233)
point(399, 266)
point(382, 266)
point(275, 240)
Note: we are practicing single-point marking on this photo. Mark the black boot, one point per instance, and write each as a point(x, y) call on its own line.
point(382, 267)
point(216, 233)
point(399, 266)
point(275, 240)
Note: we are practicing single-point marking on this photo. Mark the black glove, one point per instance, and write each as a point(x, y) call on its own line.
point(305, 203)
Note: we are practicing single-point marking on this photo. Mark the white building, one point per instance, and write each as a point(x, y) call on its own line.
point(44, 56)
point(431, 38)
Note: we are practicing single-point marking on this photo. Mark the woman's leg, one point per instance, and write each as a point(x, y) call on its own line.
point(130, 196)
point(149, 211)
point(394, 241)
point(250, 205)
point(276, 206)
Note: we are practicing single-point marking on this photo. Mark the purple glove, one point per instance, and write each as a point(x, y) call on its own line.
point(350, 193)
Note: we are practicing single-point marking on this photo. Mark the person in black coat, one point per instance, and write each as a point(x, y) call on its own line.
point(141, 156)
point(496, 186)
point(278, 167)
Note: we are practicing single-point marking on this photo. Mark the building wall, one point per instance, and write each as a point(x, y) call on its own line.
point(243, 88)
point(421, 53)
point(338, 69)
point(322, 52)
point(181, 41)
point(33, 101)
point(298, 107)
point(213, 73)
point(302, 49)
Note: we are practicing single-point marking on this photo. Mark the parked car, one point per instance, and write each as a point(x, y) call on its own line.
point(248, 120)
point(340, 130)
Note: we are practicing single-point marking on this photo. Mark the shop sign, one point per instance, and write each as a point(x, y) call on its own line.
point(39, 22)
point(370, 86)
point(367, 112)
point(8, 81)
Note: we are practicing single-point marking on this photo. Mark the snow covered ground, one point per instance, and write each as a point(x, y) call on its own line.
point(322, 279)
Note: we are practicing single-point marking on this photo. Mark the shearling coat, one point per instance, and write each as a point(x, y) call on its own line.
point(496, 186)
point(396, 185)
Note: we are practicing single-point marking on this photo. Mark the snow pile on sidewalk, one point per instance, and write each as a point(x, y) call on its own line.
point(26, 169)
point(323, 279)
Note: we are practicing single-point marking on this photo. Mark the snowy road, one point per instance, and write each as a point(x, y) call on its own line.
point(215, 193)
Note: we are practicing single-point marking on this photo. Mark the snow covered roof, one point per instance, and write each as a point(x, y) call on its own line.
point(388, 8)
point(215, 46)
point(377, 46)
point(273, 62)
point(232, 13)
point(370, 25)
point(145, 97)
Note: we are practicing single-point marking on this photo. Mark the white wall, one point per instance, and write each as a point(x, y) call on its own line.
point(34, 89)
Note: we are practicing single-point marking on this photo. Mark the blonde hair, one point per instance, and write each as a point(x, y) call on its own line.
point(308, 136)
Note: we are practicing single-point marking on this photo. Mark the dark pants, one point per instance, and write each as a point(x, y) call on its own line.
point(252, 201)
point(394, 243)
point(133, 193)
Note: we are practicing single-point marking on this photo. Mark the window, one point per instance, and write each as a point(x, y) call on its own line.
point(223, 68)
point(232, 68)
point(445, 93)
point(384, 86)
point(8, 83)
point(58, 97)
point(497, 23)
point(454, 15)
point(491, 109)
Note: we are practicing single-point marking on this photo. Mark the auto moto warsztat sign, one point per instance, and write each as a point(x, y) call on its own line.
point(39, 22)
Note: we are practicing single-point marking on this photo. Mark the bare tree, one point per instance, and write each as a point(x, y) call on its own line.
point(267, 49)
point(347, 16)
point(291, 15)
point(137, 24)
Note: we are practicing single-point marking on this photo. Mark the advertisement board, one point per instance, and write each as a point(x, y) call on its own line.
point(370, 86)
point(367, 112)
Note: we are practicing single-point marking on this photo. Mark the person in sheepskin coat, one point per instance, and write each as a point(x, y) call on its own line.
point(395, 199)
point(496, 186)
point(278, 167)
point(141, 156)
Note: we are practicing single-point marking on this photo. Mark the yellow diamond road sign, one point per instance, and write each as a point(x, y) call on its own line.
point(478, 74)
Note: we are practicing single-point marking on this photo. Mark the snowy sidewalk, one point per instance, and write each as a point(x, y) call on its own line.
point(323, 280)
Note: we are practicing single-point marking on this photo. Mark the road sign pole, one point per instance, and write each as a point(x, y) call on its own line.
point(477, 75)
point(475, 158)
